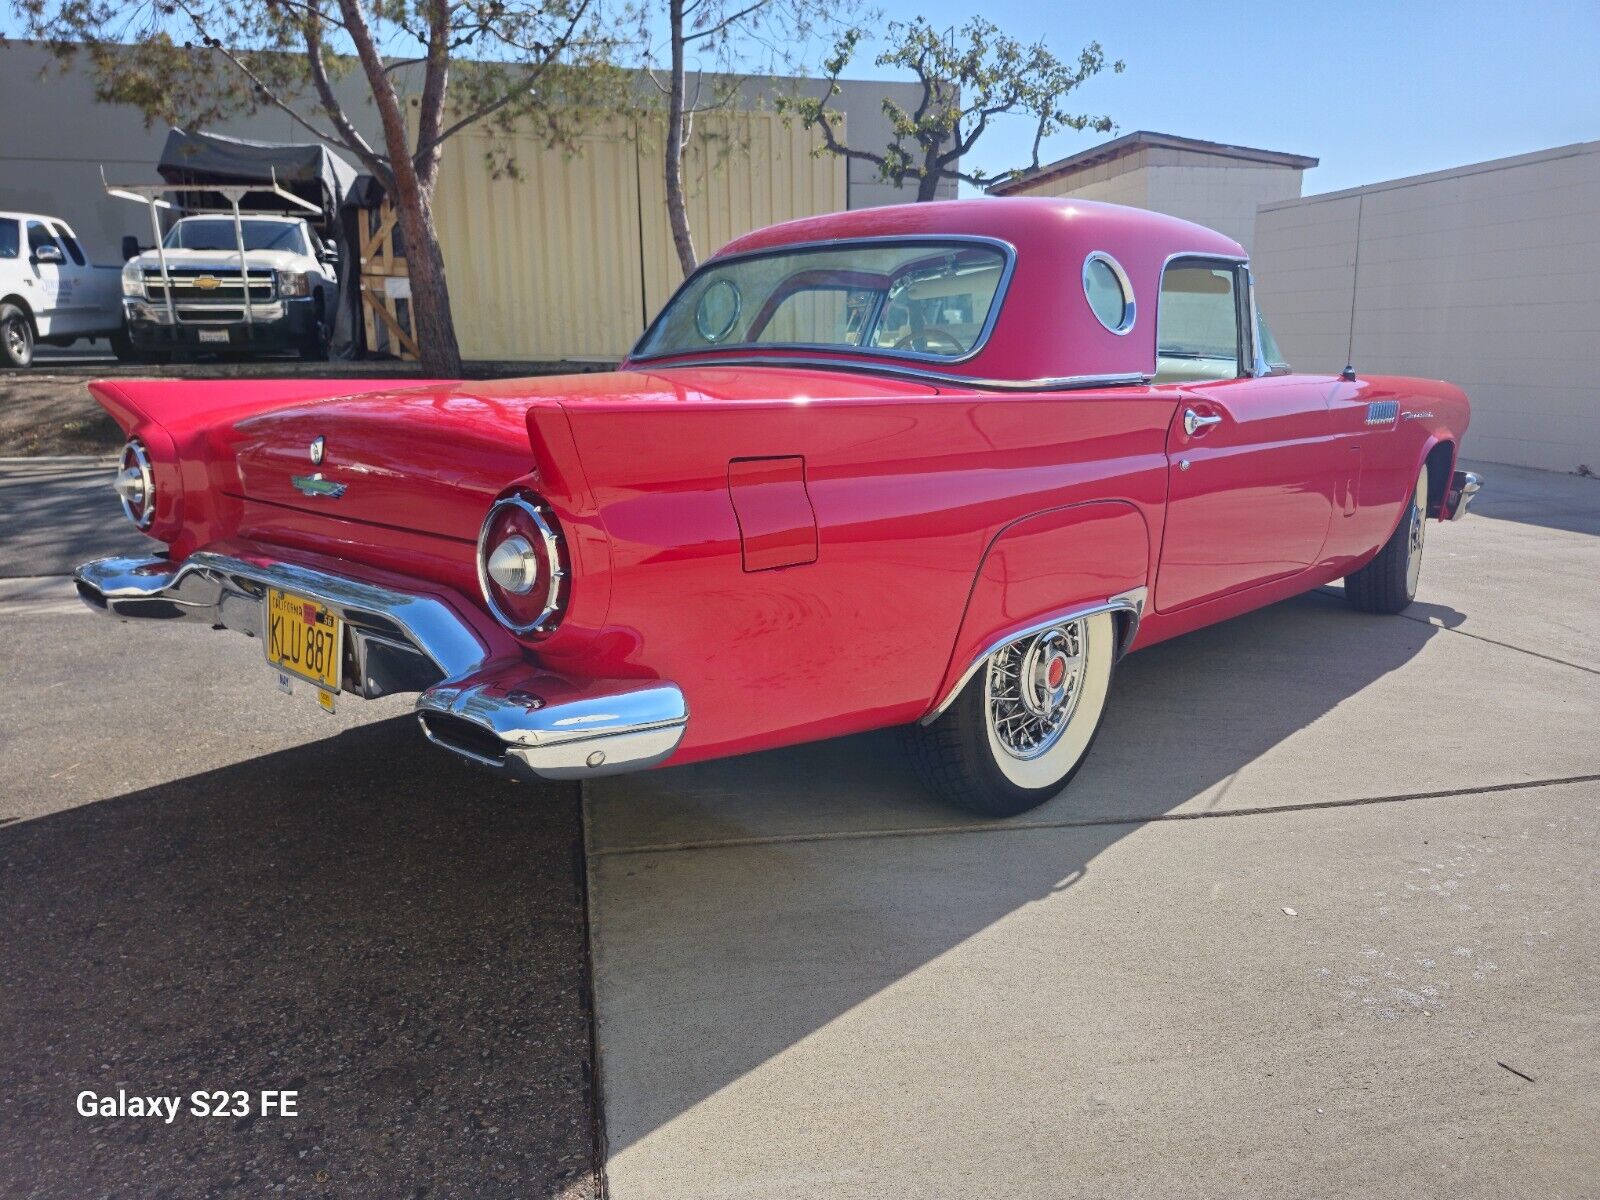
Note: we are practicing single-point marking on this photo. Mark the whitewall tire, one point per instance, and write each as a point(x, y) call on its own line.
point(1023, 724)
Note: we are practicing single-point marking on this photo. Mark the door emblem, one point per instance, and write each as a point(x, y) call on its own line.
point(206, 283)
point(316, 485)
point(317, 446)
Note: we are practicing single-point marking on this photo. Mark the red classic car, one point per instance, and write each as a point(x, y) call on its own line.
point(938, 466)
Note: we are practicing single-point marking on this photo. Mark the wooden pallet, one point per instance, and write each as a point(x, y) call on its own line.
point(386, 286)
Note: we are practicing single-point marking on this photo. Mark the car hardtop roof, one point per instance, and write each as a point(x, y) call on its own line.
point(1044, 333)
point(1025, 222)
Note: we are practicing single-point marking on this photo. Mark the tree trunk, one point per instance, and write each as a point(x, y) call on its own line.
point(677, 129)
point(430, 294)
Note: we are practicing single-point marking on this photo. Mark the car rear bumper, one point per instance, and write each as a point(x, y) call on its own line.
point(482, 701)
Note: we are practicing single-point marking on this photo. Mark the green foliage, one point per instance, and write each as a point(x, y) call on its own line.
point(196, 62)
point(971, 76)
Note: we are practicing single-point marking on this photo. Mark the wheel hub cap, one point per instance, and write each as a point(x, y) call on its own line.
point(1033, 688)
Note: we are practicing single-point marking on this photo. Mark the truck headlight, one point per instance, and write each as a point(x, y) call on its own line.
point(293, 283)
point(521, 565)
point(133, 279)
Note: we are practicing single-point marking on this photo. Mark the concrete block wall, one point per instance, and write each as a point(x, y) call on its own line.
point(1487, 275)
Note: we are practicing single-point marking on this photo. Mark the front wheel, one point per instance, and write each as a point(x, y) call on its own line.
point(1388, 584)
point(1022, 726)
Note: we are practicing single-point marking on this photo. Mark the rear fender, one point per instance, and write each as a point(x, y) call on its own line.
point(1048, 565)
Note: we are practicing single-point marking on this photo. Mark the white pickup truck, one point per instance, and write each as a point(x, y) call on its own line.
point(288, 271)
point(50, 292)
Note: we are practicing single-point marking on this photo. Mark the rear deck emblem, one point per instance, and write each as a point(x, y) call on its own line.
point(316, 451)
point(316, 485)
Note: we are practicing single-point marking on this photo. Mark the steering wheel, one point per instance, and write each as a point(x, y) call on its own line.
point(931, 340)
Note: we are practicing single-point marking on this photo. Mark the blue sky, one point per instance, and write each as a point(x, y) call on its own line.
point(1375, 90)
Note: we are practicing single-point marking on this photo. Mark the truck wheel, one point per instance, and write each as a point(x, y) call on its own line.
point(1388, 584)
point(1023, 725)
point(122, 347)
point(315, 346)
point(16, 336)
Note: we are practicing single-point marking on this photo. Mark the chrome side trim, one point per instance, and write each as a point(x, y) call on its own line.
point(625, 730)
point(1131, 601)
point(1464, 485)
point(1061, 383)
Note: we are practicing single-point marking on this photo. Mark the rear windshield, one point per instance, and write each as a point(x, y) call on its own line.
point(926, 299)
point(216, 233)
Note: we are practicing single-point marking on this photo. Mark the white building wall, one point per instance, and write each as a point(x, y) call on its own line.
point(1487, 275)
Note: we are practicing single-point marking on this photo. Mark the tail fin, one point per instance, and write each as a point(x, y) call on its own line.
point(183, 405)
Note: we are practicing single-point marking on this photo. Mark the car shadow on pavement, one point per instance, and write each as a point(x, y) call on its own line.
point(742, 905)
point(397, 938)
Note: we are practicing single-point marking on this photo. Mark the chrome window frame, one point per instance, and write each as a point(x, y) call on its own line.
point(1007, 251)
point(1130, 311)
point(1239, 264)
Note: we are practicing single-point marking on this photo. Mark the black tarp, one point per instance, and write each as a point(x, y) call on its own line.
point(308, 170)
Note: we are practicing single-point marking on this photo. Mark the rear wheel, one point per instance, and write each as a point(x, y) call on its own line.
point(16, 336)
point(1388, 584)
point(1023, 725)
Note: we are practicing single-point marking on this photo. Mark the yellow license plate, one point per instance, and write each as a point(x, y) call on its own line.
point(304, 638)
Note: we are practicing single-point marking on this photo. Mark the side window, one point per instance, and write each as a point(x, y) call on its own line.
point(74, 251)
point(1198, 328)
point(39, 237)
point(10, 239)
point(1268, 345)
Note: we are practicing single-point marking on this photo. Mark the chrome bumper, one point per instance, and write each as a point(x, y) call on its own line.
point(484, 703)
point(1464, 485)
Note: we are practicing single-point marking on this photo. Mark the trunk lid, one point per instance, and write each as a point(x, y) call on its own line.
point(430, 460)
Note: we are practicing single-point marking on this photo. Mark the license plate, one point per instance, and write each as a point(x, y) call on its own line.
point(213, 335)
point(304, 638)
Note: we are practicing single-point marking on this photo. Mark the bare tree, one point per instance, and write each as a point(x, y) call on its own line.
point(971, 76)
point(195, 61)
point(707, 39)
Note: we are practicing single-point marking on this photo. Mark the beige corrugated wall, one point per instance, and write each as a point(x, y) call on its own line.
point(572, 256)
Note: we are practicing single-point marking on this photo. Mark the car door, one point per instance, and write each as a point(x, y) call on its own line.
point(43, 278)
point(1250, 484)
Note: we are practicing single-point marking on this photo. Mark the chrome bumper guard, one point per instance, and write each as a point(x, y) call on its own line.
point(500, 712)
point(1464, 485)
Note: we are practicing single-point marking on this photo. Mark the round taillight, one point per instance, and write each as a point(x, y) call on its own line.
point(136, 486)
point(520, 565)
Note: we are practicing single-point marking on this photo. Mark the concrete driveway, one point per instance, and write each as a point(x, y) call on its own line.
point(1316, 919)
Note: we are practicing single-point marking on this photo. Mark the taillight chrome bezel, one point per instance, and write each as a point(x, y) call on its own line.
point(549, 545)
point(135, 470)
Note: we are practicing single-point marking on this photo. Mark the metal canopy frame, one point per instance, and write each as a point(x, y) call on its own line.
point(151, 194)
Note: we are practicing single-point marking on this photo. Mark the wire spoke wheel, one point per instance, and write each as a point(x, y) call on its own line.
point(1032, 689)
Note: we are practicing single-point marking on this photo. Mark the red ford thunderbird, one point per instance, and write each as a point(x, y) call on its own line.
point(937, 466)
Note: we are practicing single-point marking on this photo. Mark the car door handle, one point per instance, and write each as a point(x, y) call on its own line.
point(1193, 422)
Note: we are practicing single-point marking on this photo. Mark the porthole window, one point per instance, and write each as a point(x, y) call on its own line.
point(1110, 295)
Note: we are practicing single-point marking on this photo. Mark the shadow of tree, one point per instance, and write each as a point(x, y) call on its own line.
point(397, 938)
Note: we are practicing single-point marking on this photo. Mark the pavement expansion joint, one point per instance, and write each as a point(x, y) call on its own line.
point(1079, 822)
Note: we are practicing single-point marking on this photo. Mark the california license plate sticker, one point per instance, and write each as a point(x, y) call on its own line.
point(304, 638)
